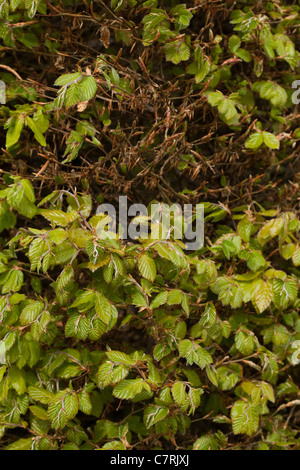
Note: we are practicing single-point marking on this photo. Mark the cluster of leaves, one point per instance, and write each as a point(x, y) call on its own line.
point(106, 344)
point(216, 330)
point(132, 86)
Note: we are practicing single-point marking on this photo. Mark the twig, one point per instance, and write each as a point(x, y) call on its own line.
point(6, 67)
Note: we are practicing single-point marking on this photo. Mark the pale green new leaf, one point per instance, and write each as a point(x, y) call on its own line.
point(31, 312)
point(104, 309)
point(67, 79)
point(179, 394)
point(245, 418)
point(263, 296)
point(129, 388)
point(159, 300)
point(120, 357)
point(254, 141)
point(87, 88)
point(63, 407)
point(296, 257)
point(147, 267)
point(154, 413)
point(40, 394)
point(33, 125)
point(177, 51)
point(15, 128)
point(31, 6)
point(270, 140)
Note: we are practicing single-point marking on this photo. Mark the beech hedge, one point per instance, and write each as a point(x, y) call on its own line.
point(108, 343)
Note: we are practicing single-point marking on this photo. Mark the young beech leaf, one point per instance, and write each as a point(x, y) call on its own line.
point(15, 126)
point(154, 413)
point(270, 140)
point(67, 79)
point(36, 130)
point(129, 388)
point(21, 444)
point(63, 407)
point(177, 51)
point(31, 312)
point(147, 267)
point(296, 257)
point(88, 88)
point(31, 6)
point(40, 394)
point(159, 300)
point(254, 141)
point(245, 418)
point(262, 296)
point(179, 394)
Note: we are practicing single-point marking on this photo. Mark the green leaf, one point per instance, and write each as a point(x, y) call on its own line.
point(21, 444)
point(31, 312)
point(287, 250)
point(63, 407)
point(245, 342)
point(212, 375)
point(182, 16)
point(227, 108)
point(21, 197)
point(245, 418)
point(227, 377)
point(159, 300)
point(254, 141)
point(284, 292)
point(215, 98)
point(194, 353)
point(154, 413)
point(255, 260)
point(73, 95)
point(147, 267)
point(67, 79)
point(88, 88)
point(245, 228)
point(17, 379)
point(11, 281)
point(129, 388)
point(234, 43)
point(270, 140)
point(113, 445)
point(185, 303)
point(244, 55)
point(206, 443)
point(7, 217)
point(6, 344)
point(40, 394)
point(109, 373)
point(4, 9)
point(119, 357)
point(177, 51)
point(15, 128)
point(296, 257)
point(31, 6)
point(58, 217)
point(179, 394)
point(262, 296)
point(39, 412)
point(104, 309)
point(14, 4)
point(85, 404)
point(268, 391)
point(174, 297)
point(36, 130)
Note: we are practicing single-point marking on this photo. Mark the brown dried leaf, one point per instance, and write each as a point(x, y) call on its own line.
point(105, 36)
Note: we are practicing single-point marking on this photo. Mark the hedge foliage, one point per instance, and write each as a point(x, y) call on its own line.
point(115, 344)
